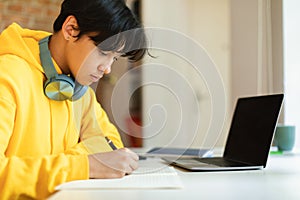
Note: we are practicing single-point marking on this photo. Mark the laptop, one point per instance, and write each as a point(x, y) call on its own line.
point(249, 139)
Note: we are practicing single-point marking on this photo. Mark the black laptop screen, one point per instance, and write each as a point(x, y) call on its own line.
point(252, 129)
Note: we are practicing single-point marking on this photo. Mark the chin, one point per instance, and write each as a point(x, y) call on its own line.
point(85, 83)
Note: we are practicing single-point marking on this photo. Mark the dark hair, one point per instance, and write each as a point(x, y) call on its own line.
point(112, 21)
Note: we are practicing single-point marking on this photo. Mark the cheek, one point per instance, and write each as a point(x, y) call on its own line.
point(91, 61)
point(82, 74)
point(89, 66)
point(82, 63)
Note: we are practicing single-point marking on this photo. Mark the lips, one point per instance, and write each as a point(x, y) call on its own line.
point(95, 78)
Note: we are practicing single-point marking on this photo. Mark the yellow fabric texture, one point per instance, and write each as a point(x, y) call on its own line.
point(43, 143)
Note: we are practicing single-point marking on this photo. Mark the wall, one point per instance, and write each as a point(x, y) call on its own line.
point(257, 48)
point(243, 38)
point(32, 14)
point(291, 64)
point(207, 23)
point(256, 32)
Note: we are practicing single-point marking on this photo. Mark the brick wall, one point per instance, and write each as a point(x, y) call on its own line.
point(32, 14)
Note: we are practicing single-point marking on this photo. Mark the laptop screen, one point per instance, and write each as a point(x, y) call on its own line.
point(252, 128)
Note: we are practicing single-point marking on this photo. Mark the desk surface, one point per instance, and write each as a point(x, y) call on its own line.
point(279, 180)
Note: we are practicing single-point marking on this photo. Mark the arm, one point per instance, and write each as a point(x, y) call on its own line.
point(93, 125)
point(36, 177)
point(33, 176)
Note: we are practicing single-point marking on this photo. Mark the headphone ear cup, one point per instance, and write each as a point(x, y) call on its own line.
point(79, 91)
point(59, 87)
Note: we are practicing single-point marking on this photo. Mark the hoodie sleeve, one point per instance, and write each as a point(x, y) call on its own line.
point(95, 125)
point(29, 176)
point(33, 177)
point(37, 177)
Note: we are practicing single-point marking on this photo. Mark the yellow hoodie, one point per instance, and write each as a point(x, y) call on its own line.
point(39, 146)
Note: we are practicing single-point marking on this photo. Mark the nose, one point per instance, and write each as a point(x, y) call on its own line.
point(109, 64)
point(107, 69)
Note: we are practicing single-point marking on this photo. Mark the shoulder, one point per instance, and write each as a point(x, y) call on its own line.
point(88, 99)
point(14, 67)
point(17, 76)
point(12, 64)
point(88, 102)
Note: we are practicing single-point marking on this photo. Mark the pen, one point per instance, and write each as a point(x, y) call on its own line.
point(111, 144)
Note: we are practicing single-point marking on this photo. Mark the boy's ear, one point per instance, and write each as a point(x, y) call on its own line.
point(70, 27)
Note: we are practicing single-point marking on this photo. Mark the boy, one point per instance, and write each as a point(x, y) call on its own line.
point(52, 130)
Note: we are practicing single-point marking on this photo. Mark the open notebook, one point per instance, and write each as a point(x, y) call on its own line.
point(150, 175)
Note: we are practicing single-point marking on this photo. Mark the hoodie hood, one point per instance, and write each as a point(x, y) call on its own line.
point(23, 43)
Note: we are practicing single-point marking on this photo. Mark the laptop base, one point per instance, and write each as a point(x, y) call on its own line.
point(196, 164)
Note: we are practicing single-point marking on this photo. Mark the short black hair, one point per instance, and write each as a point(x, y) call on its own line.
point(112, 21)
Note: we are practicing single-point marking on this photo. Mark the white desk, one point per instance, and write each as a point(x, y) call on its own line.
point(279, 180)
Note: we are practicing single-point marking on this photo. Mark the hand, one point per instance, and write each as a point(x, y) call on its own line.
point(114, 164)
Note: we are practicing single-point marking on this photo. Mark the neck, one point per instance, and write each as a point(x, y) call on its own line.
point(57, 48)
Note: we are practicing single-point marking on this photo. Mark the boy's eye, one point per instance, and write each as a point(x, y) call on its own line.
point(103, 53)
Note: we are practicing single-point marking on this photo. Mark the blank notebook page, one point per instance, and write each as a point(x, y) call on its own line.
point(147, 176)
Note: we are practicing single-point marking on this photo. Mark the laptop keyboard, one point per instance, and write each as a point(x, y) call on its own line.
point(220, 162)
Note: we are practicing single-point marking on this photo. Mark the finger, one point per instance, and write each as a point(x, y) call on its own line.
point(134, 165)
point(129, 170)
point(133, 155)
point(117, 174)
point(131, 166)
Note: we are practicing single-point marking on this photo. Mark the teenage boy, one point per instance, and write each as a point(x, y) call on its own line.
point(52, 129)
